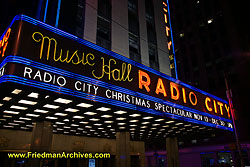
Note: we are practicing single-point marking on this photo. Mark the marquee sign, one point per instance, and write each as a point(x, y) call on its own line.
point(42, 56)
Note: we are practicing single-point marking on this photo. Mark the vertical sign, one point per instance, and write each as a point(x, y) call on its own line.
point(170, 43)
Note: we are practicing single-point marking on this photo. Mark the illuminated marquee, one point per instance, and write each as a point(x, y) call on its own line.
point(178, 93)
point(48, 58)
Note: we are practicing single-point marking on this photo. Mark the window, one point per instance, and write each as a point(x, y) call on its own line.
point(134, 50)
point(103, 36)
point(152, 42)
point(149, 11)
point(133, 43)
point(133, 23)
point(153, 56)
point(132, 6)
point(104, 8)
point(134, 36)
point(71, 17)
point(151, 33)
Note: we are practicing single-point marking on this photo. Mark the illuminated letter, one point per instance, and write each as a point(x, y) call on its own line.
point(38, 74)
point(208, 100)
point(76, 87)
point(190, 99)
point(45, 77)
point(72, 60)
point(169, 45)
point(160, 88)
point(108, 96)
point(215, 108)
point(91, 58)
point(142, 82)
point(58, 81)
point(184, 95)
point(221, 105)
point(103, 69)
point(166, 18)
point(128, 72)
point(118, 74)
point(171, 57)
point(167, 29)
point(227, 108)
point(171, 65)
point(28, 71)
point(42, 44)
point(4, 42)
point(172, 87)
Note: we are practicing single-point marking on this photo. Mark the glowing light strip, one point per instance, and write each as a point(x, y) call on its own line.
point(38, 12)
point(176, 75)
point(25, 61)
point(58, 89)
point(45, 11)
point(58, 12)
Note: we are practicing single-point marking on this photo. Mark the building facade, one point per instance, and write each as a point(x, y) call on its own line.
point(211, 44)
point(65, 105)
point(134, 29)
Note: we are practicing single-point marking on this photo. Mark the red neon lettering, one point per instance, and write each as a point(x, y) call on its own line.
point(160, 88)
point(190, 98)
point(172, 88)
point(142, 82)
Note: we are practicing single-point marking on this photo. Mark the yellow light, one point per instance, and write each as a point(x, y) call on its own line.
point(227, 108)
point(167, 31)
point(215, 107)
point(221, 105)
point(169, 45)
point(166, 18)
point(184, 95)
point(206, 103)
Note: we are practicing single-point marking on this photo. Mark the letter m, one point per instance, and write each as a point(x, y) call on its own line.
point(46, 42)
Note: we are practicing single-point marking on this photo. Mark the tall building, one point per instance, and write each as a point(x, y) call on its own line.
point(132, 28)
point(211, 44)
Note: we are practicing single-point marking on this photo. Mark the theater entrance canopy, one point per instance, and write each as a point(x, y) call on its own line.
point(84, 89)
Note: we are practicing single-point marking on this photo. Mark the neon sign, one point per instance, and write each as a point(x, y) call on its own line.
point(4, 42)
point(46, 77)
point(122, 74)
point(63, 63)
point(212, 106)
point(169, 37)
